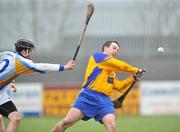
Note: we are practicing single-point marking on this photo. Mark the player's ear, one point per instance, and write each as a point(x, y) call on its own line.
point(24, 53)
point(105, 49)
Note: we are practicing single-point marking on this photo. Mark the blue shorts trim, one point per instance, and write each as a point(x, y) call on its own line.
point(94, 104)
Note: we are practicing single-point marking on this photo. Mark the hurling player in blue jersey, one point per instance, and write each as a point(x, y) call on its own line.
point(13, 64)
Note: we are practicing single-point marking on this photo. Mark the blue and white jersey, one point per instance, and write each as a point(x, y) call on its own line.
point(12, 64)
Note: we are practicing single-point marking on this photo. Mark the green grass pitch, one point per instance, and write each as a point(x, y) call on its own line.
point(124, 124)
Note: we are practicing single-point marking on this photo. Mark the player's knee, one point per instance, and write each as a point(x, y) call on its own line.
point(55, 129)
point(111, 124)
point(16, 120)
point(14, 117)
point(112, 127)
point(68, 121)
point(60, 127)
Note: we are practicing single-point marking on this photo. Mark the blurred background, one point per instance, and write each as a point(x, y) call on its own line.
point(140, 26)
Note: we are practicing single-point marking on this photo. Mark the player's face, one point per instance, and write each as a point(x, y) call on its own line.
point(27, 54)
point(112, 50)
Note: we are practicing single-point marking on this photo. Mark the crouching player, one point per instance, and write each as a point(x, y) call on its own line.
point(99, 81)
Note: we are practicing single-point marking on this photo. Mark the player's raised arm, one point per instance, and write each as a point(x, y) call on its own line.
point(107, 59)
point(116, 65)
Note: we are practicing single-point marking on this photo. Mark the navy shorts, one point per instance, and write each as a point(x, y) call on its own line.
point(7, 108)
point(94, 104)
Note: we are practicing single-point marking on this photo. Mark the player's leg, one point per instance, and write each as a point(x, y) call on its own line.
point(14, 120)
point(2, 127)
point(9, 110)
point(72, 117)
point(109, 122)
point(106, 114)
point(82, 109)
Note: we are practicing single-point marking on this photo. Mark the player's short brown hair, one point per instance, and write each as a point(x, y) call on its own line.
point(108, 43)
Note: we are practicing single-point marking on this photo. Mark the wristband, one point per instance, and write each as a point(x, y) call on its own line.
point(61, 68)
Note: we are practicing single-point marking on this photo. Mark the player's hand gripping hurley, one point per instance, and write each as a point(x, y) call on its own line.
point(119, 101)
point(90, 10)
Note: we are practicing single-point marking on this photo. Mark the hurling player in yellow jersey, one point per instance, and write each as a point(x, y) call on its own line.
point(12, 64)
point(99, 81)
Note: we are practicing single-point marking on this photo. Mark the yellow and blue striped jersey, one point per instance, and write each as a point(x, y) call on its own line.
point(12, 64)
point(101, 71)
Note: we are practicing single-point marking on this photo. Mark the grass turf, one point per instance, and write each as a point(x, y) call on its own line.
point(124, 124)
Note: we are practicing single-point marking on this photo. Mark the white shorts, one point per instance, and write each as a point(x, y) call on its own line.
point(5, 94)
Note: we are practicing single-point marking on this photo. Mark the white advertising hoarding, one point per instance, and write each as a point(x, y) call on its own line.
point(160, 98)
point(28, 98)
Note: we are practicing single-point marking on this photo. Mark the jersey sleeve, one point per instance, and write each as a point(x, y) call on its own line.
point(46, 67)
point(110, 63)
point(122, 86)
point(27, 66)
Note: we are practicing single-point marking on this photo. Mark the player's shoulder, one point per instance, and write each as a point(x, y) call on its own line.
point(21, 58)
point(99, 57)
point(7, 53)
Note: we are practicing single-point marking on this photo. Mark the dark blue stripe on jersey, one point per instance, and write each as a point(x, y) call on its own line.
point(9, 54)
point(93, 76)
point(5, 66)
point(2, 87)
point(99, 57)
point(30, 67)
point(34, 69)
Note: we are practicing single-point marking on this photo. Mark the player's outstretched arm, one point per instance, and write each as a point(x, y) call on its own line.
point(118, 66)
point(29, 67)
point(70, 65)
